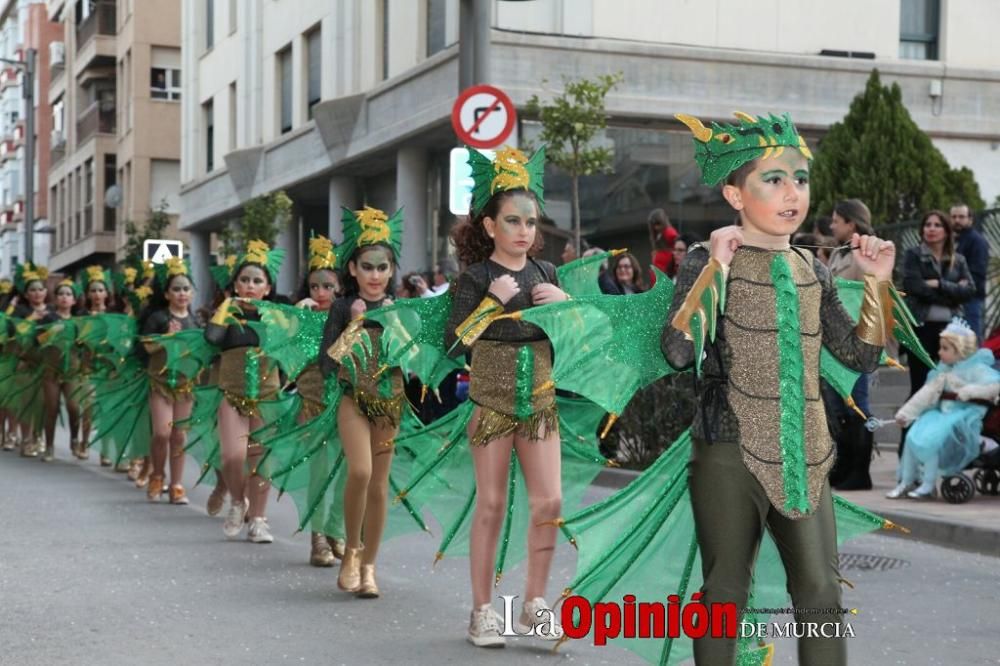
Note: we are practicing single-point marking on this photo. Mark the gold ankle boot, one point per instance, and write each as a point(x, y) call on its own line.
point(321, 555)
point(349, 578)
point(368, 588)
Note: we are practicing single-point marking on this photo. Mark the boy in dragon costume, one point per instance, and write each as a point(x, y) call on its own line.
point(750, 313)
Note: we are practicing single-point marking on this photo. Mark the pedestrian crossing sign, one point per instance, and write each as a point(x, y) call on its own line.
point(159, 250)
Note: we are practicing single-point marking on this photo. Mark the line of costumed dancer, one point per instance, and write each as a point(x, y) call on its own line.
point(308, 398)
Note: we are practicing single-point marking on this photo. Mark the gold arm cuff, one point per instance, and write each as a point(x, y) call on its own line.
point(871, 326)
point(480, 319)
point(344, 345)
point(692, 302)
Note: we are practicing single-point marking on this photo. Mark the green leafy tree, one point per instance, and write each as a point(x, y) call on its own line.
point(879, 155)
point(569, 123)
point(264, 217)
point(136, 233)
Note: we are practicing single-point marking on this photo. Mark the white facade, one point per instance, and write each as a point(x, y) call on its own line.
point(388, 75)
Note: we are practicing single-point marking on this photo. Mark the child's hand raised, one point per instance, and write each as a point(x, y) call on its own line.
point(874, 256)
point(724, 242)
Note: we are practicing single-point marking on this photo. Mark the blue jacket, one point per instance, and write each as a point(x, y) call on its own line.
point(976, 251)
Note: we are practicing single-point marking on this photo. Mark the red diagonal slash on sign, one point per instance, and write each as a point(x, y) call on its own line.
point(498, 101)
point(493, 106)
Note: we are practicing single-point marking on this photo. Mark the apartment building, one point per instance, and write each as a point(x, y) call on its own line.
point(24, 25)
point(348, 102)
point(115, 106)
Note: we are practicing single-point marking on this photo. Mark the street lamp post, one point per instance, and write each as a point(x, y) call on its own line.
point(28, 93)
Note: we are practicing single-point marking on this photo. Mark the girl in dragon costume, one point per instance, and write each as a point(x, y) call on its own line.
point(61, 365)
point(245, 379)
point(510, 375)
point(746, 292)
point(98, 300)
point(318, 293)
point(168, 314)
point(25, 387)
point(371, 408)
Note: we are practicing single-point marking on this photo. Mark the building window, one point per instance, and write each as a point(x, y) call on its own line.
point(232, 16)
point(209, 24)
point(919, 21)
point(314, 84)
point(110, 178)
point(285, 86)
point(165, 83)
point(436, 12)
point(209, 122)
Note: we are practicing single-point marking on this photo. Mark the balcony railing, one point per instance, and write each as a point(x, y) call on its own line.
point(100, 22)
point(97, 118)
point(57, 152)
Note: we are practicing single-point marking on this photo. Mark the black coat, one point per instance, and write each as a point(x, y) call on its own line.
point(920, 265)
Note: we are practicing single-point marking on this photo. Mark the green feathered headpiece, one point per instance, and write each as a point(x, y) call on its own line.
point(171, 267)
point(370, 226)
point(510, 169)
point(28, 272)
point(722, 149)
point(222, 274)
point(260, 253)
point(73, 285)
point(96, 273)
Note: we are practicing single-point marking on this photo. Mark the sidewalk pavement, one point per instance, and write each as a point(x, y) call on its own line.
point(973, 526)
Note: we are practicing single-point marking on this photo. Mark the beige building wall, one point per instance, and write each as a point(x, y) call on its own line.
point(969, 32)
point(136, 143)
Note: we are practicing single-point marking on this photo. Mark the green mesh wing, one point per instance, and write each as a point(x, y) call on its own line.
point(600, 338)
point(579, 277)
point(413, 337)
point(289, 335)
point(641, 541)
point(851, 295)
point(202, 434)
point(306, 462)
point(187, 351)
point(121, 412)
point(110, 337)
point(443, 482)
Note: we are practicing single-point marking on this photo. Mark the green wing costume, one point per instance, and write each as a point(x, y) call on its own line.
point(444, 482)
point(851, 295)
point(288, 335)
point(412, 334)
point(579, 277)
point(641, 541)
point(606, 347)
point(188, 354)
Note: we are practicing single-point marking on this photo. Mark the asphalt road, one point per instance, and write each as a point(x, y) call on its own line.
point(90, 573)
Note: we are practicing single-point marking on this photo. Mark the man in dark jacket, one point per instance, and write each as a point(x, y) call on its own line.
point(976, 251)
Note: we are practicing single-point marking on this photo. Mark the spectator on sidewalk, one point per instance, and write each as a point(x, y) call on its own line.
point(854, 441)
point(976, 250)
point(937, 283)
point(624, 276)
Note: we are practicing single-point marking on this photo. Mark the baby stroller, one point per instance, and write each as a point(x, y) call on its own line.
point(958, 488)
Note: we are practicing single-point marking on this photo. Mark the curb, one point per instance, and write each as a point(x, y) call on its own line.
point(922, 528)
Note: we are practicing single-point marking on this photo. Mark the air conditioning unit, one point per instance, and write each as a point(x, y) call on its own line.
point(57, 138)
point(57, 54)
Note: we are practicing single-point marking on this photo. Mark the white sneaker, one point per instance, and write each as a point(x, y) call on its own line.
point(539, 618)
point(484, 628)
point(899, 491)
point(259, 532)
point(233, 524)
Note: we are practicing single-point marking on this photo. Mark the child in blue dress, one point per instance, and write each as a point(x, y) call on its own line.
point(947, 412)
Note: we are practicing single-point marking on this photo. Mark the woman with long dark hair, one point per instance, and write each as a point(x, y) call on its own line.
point(502, 276)
point(937, 281)
point(61, 366)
